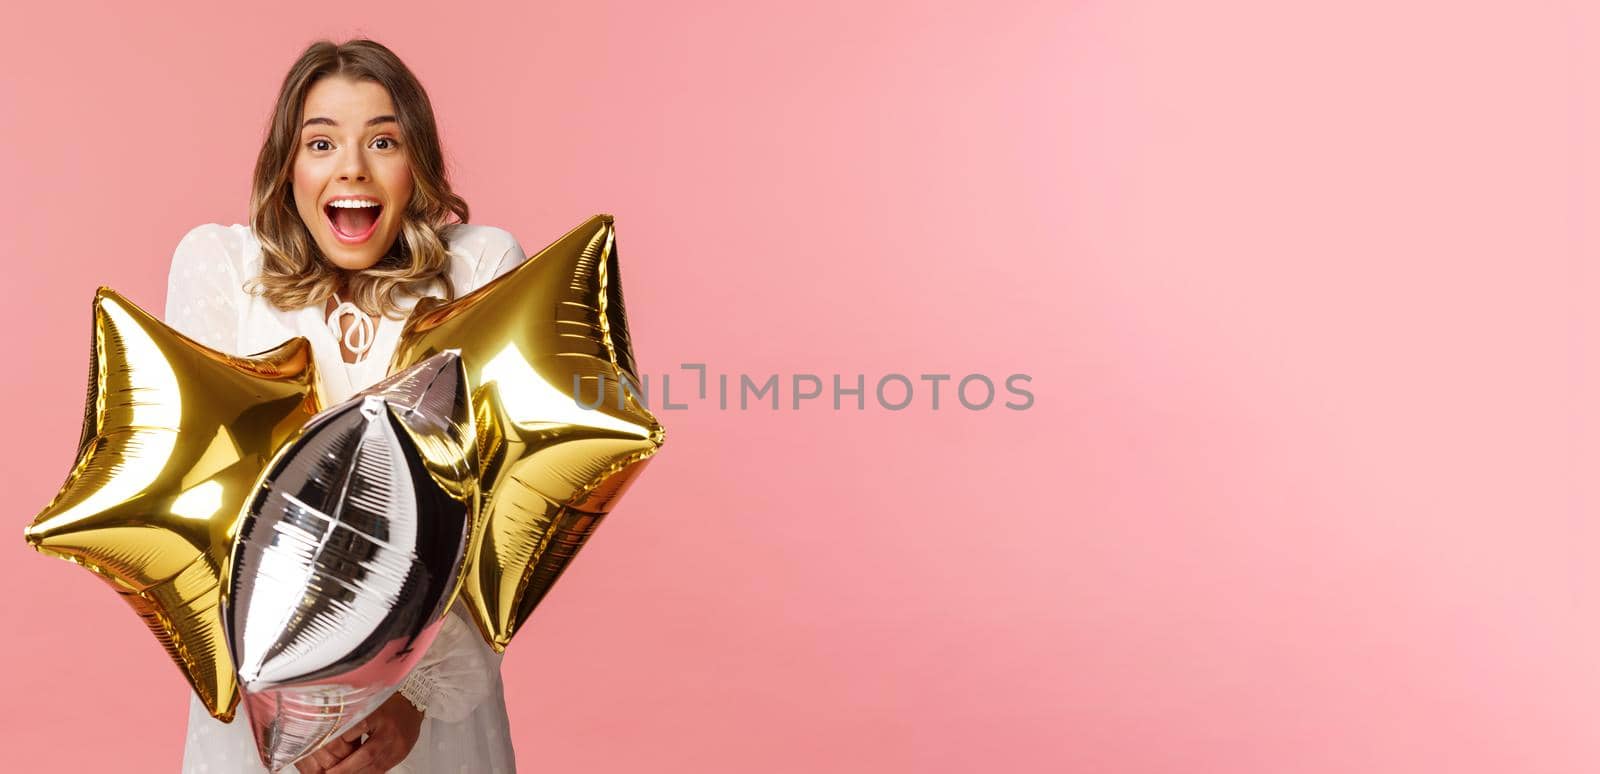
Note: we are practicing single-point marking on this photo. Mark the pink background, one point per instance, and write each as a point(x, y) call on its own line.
point(1308, 485)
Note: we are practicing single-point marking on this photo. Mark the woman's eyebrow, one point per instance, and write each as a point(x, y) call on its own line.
point(374, 121)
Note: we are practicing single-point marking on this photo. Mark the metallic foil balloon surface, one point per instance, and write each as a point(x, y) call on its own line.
point(532, 341)
point(174, 438)
point(349, 556)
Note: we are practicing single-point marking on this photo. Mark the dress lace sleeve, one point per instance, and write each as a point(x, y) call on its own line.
point(202, 288)
point(456, 674)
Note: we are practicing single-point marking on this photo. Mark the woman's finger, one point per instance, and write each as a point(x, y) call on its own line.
point(337, 749)
point(354, 734)
point(326, 758)
point(358, 762)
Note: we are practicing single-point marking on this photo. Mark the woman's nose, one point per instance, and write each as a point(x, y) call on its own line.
point(353, 167)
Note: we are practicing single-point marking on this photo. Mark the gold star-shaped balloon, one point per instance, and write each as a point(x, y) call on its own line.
point(174, 437)
point(533, 342)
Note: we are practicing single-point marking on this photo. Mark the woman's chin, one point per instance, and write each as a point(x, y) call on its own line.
point(348, 258)
point(352, 263)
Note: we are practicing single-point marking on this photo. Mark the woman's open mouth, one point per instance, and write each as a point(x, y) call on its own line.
point(353, 219)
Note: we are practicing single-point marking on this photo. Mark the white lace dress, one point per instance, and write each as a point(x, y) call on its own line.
point(464, 728)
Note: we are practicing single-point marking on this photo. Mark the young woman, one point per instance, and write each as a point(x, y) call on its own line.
point(352, 220)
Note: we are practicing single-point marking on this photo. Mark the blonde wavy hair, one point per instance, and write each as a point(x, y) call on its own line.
point(293, 271)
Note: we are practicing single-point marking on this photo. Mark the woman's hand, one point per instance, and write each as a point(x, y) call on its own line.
point(391, 732)
point(325, 757)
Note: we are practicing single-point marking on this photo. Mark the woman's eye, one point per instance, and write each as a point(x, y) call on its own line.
point(386, 143)
point(319, 145)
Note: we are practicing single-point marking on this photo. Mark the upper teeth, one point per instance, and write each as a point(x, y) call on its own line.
point(352, 203)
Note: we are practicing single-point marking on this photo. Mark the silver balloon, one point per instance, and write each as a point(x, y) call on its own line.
point(349, 556)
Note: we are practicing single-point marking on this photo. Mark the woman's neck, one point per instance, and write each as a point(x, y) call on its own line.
point(342, 285)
